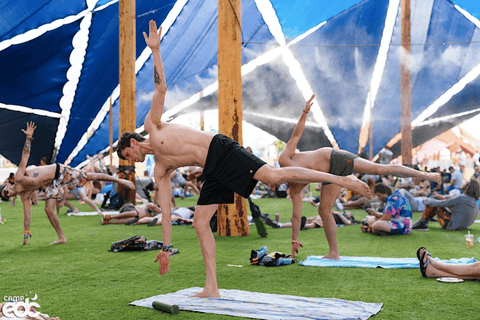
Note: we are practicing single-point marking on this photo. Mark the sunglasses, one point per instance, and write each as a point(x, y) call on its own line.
point(5, 193)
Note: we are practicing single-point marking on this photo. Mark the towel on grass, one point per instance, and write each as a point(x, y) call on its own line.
point(258, 305)
point(374, 262)
point(92, 213)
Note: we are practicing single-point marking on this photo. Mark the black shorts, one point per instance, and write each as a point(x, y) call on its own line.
point(341, 163)
point(229, 168)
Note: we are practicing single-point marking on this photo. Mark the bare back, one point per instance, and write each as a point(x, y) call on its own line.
point(318, 160)
point(177, 146)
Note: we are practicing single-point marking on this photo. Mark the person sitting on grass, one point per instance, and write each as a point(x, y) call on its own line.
point(56, 177)
point(456, 213)
point(396, 217)
point(431, 268)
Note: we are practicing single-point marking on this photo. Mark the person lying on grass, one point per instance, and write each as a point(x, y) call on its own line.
point(145, 214)
point(345, 217)
point(228, 168)
point(431, 268)
point(396, 217)
point(56, 177)
point(130, 214)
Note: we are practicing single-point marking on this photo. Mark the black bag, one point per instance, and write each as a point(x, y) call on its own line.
point(135, 243)
point(116, 201)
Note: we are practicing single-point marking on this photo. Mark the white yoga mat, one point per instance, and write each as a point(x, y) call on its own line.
point(92, 213)
point(258, 305)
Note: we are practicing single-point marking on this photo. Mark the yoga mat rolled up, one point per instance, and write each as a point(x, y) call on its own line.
point(166, 307)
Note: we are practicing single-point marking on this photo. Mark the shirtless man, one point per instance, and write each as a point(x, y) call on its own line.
point(228, 168)
point(56, 177)
point(336, 162)
point(129, 211)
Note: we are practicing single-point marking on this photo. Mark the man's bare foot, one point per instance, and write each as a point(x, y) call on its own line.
point(207, 293)
point(76, 210)
point(332, 256)
point(357, 185)
point(59, 240)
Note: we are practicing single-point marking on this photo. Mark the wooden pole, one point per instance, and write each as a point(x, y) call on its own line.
point(406, 85)
point(127, 87)
point(231, 219)
point(110, 123)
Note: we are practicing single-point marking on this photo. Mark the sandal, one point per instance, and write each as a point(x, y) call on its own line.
point(302, 222)
point(423, 265)
point(132, 221)
point(153, 222)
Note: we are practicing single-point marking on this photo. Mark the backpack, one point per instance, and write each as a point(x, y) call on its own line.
point(116, 201)
point(135, 243)
point(261, 257)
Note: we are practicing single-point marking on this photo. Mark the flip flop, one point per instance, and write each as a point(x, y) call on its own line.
point(418, 253)
point(302, 222)
point(153, 222)
point(423, 266)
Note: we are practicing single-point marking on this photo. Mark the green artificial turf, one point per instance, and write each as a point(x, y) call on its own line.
point(82, 280)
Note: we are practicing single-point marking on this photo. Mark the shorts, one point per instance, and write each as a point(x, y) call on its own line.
point(229, 168)
point(400, 226)
point(341, 163)
point(64, 175)
point(127, 208)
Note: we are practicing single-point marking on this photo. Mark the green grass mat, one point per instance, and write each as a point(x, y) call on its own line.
point(82, 280)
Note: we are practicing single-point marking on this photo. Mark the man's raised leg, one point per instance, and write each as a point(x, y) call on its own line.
point(50, 211)
point(328, 196)
point(203, 214)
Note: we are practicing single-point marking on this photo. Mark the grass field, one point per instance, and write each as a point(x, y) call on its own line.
point(82, 280)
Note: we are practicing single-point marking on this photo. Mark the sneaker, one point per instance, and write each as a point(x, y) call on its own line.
point(420, 224)
point(271, 223)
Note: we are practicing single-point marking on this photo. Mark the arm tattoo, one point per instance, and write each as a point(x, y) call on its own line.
point(156, 75)
point(26, 147)
point(36, 174)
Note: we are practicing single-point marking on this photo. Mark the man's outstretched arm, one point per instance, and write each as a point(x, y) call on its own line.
point(291, 145)
point(158, 100)
point(26, 150)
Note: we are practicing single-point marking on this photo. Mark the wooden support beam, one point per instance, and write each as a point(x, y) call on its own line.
point(231, 219)
point(127, 86)
point(406, 85)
